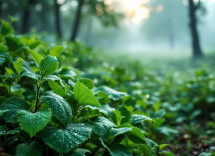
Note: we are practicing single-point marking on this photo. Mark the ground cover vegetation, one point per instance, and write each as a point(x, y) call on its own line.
point(62, 99)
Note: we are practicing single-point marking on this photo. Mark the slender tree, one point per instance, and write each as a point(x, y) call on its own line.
point(197, 52)
point(77, 20)
point(27, 15)
point(95, 8)
point(57, 17)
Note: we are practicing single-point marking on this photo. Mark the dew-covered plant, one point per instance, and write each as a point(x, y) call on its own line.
point(61, 113)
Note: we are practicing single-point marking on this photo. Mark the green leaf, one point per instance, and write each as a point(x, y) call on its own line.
point(48, 65)
point(37, 57)
point(4, 131)
point(56, 51)
point(135, 135)
point(78, 152)
point(117, 149)
point(112, 94)
point(34, 122)
point(60, 107)
point(13, 43)
point(84, 96)
point(125, 113)
point(65, 140)
point(66, 74)
point(13, 105)
point(27, 70)
point(144, 149)
point(102, 126)
point(6, 28)
point(56, 88)
point(3, 111)
point(8, 71)
point(136, 118)
point(167, 153)
point(3, 48)
point(160, 147)
point(117, 131)
point(55, 78)
point(103, 97)
point(87, 82)
point(96, 108)
point(116, 117)
point(35, 44)
point(34, 149)
point(18, 66)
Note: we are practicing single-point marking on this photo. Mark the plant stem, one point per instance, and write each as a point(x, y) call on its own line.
point(79, 109)
point(92, 154)
point(37, 97)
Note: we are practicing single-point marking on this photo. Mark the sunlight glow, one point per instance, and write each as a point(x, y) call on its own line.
point(160, 8)
point(135, 9)
point(141, 13)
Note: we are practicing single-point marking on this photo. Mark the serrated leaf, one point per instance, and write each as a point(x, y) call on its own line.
point(34, 149)
point(117, 131)
point(167, 153)
point(87, 82)
point(18, 66)
point(137, 118)
point(144, 149)
point(13, 43)
point(65, 140)
point(4, 131)
point(102, 126)
point(48, 65)
point(27, 70)
point(160, 147)
point(66, 74)
point(8, 71)
point(135, 135)
point(56, 51)
point(126, 114)
point(60, 107)
point(34, 122)
point(112, 94)
point(96, 108)
point(3, 111)
point(84, 96)
point(116, 117)
point(3, 48)
point(6, 28)
point(56, 88)
point(78, 152)
point(117, 149)
point(55, 78)
point(103, 97)
point(37, 57)
point(13, 105)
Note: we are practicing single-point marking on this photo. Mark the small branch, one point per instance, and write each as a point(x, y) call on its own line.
point(37, 97)
point(79, 109)
point(92, 154)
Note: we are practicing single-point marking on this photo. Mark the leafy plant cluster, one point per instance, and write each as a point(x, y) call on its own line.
point(52, 108)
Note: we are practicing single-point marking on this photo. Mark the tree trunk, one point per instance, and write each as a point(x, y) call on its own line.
point(76, 24)
point(57, 19)
point(171, 34)
point(1, 2)
point(26, 16)
point(89, 27)
point(197, 52)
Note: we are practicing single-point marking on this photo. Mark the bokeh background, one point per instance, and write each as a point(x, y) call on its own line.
point(157, 28)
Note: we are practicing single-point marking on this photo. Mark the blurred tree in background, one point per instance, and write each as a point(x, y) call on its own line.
point(197, 51)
